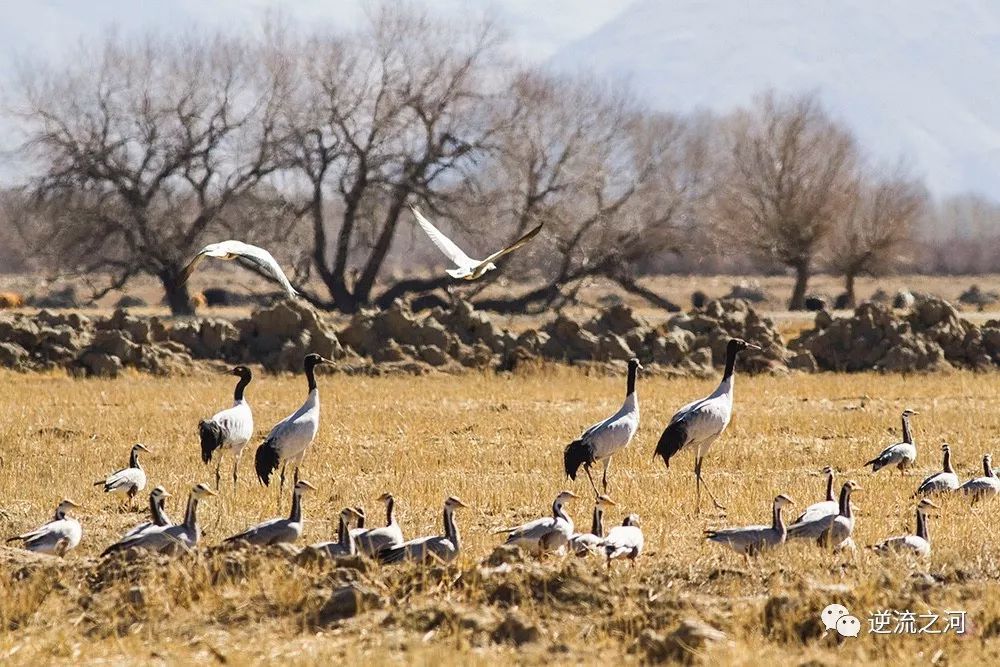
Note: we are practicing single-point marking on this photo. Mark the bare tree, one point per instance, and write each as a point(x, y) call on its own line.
point(142, 145)
point(871, 234)
point(395, 113)
point(791, 174)
point(613, 183)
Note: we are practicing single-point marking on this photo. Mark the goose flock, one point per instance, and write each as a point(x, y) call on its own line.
point(828, 523)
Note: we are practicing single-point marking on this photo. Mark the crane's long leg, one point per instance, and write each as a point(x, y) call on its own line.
point(218, 476)
point(586, 469)
point(281, 488)
point(711, 495)
point(236, 466)
point(604, 480)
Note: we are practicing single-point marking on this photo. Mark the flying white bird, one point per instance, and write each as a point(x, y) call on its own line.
point(251, 254)
point(468, 268)
point(55, 537)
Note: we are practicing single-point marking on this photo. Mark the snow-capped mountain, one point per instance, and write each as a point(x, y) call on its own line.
point(917, 80)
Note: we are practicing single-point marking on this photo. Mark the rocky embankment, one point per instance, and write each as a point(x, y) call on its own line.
point(929, 336)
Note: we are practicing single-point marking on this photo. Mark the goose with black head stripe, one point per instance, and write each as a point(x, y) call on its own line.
point(584, 544)
point(602, 440)
point(986, 486)
point(170, 539)
point(828, 507)
point(229, 429)
point(55, 537)
point(290, 438)
point(698, 424)
point(940, 482)
point(831, 530)
point(129, 480)
point(918, 544)
point(157, 513)
point(345, 544)
point(903, 454)
point(283, 530)
point(624, 541)
point(440, 548)
point(546, 535)
point(373, 540)
point(753, 540)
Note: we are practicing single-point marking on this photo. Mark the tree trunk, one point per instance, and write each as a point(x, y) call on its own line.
point(849, 297)
point(178, 297)
point(798, 301)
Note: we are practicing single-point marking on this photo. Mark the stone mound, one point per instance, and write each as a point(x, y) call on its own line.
point(931, 336)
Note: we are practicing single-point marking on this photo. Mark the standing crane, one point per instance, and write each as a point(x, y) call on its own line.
point(229, 429)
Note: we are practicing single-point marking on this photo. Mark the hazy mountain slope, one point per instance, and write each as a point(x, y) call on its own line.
point(914, 78)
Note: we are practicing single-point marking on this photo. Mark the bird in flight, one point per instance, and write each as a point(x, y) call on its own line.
point(468, 268)
point(251, 254)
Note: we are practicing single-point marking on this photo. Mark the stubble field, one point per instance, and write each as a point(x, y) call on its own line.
point(495, 441)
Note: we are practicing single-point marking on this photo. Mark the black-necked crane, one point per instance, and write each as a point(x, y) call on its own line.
point(940, 482)
point(345, 544)
point(584, 544)
point(624, 541)
point(918, 544)
point(602, 440)
point(371, 541)
point(986, 486)
point(832, 530)
point(903, 454)
point(229, 429)
point(157, 513)
point(290, 438)
point(546, 535)
point(57, 536)
point(170, 539)
point(698, 424)
point(283, 530)
point(430, 549)
point(129, 480)
point(755, 539)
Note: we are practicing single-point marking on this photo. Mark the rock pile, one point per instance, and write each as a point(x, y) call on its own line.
point(931, 336)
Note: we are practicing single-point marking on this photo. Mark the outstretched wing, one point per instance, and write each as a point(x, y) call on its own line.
point(189, 269)
point(444, 244)
point(513, 246)
point(264, 261)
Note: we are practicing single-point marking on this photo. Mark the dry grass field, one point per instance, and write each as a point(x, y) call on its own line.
point(495, 441)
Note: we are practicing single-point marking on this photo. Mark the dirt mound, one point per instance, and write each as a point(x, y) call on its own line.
point(931, 336)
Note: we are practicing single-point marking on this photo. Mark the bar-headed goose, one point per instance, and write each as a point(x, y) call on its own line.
point(940, 482)
point(902, 455)
point(919, 544)
point(624, 541)
point(546, 535)
point(986, 486)
point(129, 480)
point(584, 544)
point(755, 539)
point(436, 548)
point(57, 536)
point(283, 530)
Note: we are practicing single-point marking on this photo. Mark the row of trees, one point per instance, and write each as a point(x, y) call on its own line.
point(313, 145)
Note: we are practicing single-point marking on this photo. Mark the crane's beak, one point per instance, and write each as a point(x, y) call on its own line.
point(166, 494)
point(307, 485)
point(456, 501)
point(72, 504)
point(755, 347)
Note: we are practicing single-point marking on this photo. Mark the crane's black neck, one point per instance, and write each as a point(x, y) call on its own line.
point(311, 377)
point(296, 514)
point(922, 525)
point(633, 370)
point(829, 487)
point(450, 529)
point(240, 387)
point(190, 513)
point(845, 501)
point(731, 352)
point(133, 459)
point(907, 433)
point(597, 524)
point(390, 504)
point(947, 461)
